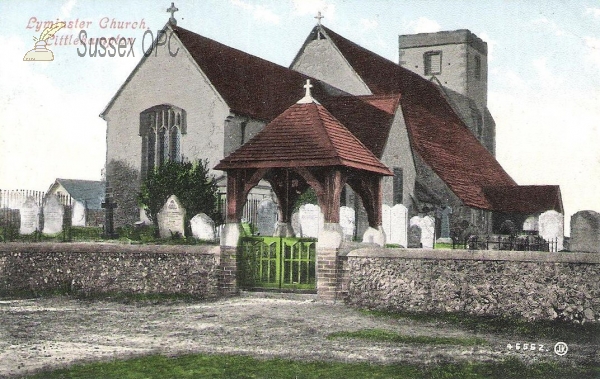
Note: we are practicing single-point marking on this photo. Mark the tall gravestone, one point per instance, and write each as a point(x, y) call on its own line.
point(203, 227)
point(386, 221)
point(399, 225)
point(347, 222)
point(79, 214)
point(444, 214)
point(53, 215)
point(171, 218)
point(267, 217)
point(585, 232)
point(311, 220)
point(30, 216)
point(552, 228)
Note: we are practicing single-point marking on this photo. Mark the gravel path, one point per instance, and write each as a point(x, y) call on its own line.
point(55, 332)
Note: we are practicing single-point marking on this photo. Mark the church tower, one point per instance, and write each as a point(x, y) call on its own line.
point(457, 61)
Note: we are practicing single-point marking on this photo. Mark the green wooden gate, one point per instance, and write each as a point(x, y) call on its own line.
point(275, 262)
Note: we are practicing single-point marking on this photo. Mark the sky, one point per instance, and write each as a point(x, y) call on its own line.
point(544, 74)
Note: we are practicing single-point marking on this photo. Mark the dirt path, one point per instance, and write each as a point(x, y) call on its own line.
point(56, 332)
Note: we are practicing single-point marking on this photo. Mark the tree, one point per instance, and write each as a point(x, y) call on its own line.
point(190, 182)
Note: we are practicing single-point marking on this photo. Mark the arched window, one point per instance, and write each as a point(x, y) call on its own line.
point(161, 128)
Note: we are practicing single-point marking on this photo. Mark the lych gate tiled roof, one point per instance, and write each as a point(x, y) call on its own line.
point(305, 135)
point(436, 133)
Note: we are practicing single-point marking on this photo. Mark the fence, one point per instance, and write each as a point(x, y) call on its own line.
point(13, 209)
point(517, 243)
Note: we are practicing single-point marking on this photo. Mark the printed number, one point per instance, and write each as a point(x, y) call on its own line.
point(518, 346)
point(541, 347)
point(509, 346)
point(525, 346)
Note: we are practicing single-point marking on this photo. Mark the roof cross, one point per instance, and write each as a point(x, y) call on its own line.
point(307, 99)
point(172, 9)
point(319, 17)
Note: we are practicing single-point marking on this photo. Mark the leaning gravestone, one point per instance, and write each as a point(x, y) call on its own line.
point(585, 232)
point(267, 217)
point(171, 218)
point(30, 216)
point(399, 225)
point(347, 221)
point(414, 236)
point(551, 228)
point(311, 220)
point(203, 227)
point(53, 215)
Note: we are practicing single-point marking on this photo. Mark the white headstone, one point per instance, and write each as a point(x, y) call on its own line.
point(296, 224)
point(399, 225)
point(427, 225)
point(30, 216)
point(530, 224)
point(203, 227)
point(386, 221)
point(53, 215)
point(171, 218)
point(267, 217)
point(552, 228)
point(347, 221)
point(311, 220)
point(78, 216)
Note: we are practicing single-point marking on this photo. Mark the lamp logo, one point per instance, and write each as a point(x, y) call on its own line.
point(40, 52)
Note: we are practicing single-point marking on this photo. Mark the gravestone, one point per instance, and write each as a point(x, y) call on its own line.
point(414, 236)
point(311, 220)
point(386, 221)
point(109, 207)
point(445, 221)
point(585, 232)
point(78, 217)
point(398, 225)
point(347, 221)
point(296, 224)
point(171, 218)
point(203, 227)
point(551, 228)
point(267, 217)
point(427, 225)
point(53, 215)
point(530, 224)
point(30, 216)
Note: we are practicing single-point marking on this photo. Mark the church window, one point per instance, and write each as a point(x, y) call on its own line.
point(477, 67)
point(398, 185)
point(243, 132)
point(433, 62)
point(161, 128)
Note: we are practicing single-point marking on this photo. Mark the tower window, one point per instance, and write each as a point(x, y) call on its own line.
point(433, 62)
point(161, 128)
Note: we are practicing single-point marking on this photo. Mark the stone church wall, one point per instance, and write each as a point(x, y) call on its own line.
point(108, 269)
point(528, 285)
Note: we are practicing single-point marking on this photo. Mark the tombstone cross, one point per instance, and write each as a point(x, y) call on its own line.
point(108, 205)
point(172, 9)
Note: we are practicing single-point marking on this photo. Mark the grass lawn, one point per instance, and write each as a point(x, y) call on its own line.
point(234, 366)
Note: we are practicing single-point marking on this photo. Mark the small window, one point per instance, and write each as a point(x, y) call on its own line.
point(433, 62)
point(477, 67)
point(398, 185)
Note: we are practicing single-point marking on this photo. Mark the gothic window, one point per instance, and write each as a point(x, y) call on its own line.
point(398, 185)
point(161, 128)
point(433, 62)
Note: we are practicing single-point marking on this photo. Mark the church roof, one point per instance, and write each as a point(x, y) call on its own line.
point(525, 199)
point(250, 85)
point(304, 135)
point(88, 192)
point(435, 131)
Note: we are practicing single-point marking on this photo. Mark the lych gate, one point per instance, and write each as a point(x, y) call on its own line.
point(305, 147)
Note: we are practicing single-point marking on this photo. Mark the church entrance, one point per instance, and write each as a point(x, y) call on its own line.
point(277, 263)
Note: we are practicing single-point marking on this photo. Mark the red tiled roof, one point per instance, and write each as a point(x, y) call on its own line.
point(250, 85)
point(305, 135)
point(525, 199)
point(436, 133)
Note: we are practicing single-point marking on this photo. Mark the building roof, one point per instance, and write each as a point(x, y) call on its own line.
point(435, 131)
point(304, 135)
point(525, 199)
point(88, 192)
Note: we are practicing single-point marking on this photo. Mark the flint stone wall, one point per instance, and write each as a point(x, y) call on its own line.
point(88, 269)
point(529, 285)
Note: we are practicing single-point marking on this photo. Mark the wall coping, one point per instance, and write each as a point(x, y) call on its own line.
point(101, 247)
point(476, 255)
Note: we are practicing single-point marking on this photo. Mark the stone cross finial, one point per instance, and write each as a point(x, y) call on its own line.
point(307, 96)
point(172, 9)
point(319, 17)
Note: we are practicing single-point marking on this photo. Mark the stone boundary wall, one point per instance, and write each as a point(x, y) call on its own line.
point(96, 268)
point(529, 285)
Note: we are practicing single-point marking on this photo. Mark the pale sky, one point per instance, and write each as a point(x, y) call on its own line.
point(544, 75)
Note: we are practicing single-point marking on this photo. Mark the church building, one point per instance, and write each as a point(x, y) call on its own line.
point(425, 119)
